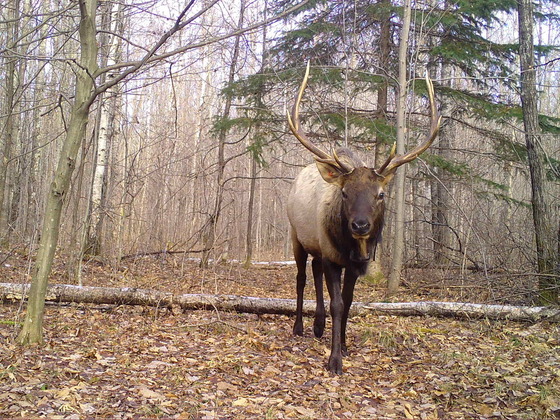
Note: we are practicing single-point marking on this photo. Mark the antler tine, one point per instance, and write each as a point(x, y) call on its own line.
point(295, 127)
point(346, 168)
point(389, 159)
point(394, 163)
point(293, 121)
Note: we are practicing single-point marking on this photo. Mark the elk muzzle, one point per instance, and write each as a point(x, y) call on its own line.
point(360, 227)
point(361, 231)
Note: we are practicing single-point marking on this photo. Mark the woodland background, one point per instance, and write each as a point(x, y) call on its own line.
point(182, 173)
point(191, 154)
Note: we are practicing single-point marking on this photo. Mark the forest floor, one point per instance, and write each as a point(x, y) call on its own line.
point(106, 361)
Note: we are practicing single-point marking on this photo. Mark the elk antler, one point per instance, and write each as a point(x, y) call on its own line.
point(293, 121)
point(388, 160)
point(392, 162)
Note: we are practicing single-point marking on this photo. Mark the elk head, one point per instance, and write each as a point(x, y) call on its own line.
point(362, 189)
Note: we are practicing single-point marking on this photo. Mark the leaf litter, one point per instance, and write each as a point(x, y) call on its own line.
point(128, 362)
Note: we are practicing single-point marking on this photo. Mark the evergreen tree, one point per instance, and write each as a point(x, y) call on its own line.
point(476, 82)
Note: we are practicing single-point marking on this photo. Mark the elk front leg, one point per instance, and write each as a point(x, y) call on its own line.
point(332, 274)
point(347, 297)
point(319, 322)
point(301, 261)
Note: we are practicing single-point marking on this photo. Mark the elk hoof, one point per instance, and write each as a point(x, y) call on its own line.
point(335, 365)
point(319, 327)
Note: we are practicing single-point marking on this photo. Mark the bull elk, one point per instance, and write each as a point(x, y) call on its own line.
point(336, 210)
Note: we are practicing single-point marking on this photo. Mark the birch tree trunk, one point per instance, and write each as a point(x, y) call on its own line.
point(112, 23)
point(543, 218)
point(398, 237)
point(32, 331)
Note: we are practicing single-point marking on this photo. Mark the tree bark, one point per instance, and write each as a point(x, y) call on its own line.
point(543, 218)
point(214, 217)
point(441, 199)
point(258, 132)
point(398, 238)
point(8, 130)
point(110, 23)
point(383, 90)
point(250, 211)
point(32, 331)
point(374, 267)
point(131, 296)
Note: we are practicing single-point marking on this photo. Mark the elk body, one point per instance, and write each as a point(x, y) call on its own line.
point(336, 210)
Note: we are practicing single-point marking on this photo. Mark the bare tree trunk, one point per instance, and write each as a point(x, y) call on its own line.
point(212, 222)
point(9, 129)
point(382, 92)
point(111, 23)
point(75, 248)
point(196, 164)
point(543, 218)
point(32, 331)
point(441, 199)
point(30, 228)
point(253, 183)
point(250, 218)
point(398, 237)
point(381, 112)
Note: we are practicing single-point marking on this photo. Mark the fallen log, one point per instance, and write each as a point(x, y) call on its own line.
point(149, 297)
point(258, 305)
point(465, 310)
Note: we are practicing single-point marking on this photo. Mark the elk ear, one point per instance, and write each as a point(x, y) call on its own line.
point(330, 173)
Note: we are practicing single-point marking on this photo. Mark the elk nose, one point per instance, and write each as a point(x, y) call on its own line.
point(360, 227)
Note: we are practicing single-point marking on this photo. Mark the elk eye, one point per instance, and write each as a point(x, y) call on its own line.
point(381, 195)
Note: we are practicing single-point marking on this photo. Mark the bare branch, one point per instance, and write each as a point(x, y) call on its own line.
point(150, 56)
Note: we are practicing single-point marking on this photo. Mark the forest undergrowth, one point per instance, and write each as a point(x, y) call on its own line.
point(102, 361)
